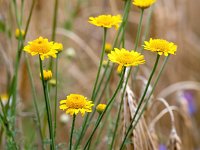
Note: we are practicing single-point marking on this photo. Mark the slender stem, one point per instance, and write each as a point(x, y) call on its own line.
point(34, 100)
point(94, 89)
point(139, 30)
point(120, 107)
point(147, 26)
point(100, 63)
point(100, 83)
point(19, 53)
point(153, 88)
point(54, 20)
point(55, 100)
point(109, 103)
point(72, 130)
point(29, 18)
point(54, 29)
point(48, 108)
point(158, 77)
point(140, 101)
point(101, 129)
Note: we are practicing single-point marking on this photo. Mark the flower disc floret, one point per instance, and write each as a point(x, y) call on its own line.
point(106, 21)
point(43, 47)
point(160, 46)
point(143, 4)
point(126, 58)
point(75, 103)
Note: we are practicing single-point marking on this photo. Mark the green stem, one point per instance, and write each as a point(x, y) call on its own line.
point(147, 26)
point(140, 101)
point(109, 103)
point(139, 30)
point(48, 108)
point(72, 130)
point(56, 97)
point(34, 100)
point(100, 64)
point(54, 29)
point(153, 88)
point(101, 130)
point(120, 107)
point(94, 89)
point(158, 77)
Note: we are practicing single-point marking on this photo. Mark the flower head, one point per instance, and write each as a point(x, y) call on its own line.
point(100, 108)
point(108, 47)
point(47, 74)
point(4, 98)
point(19, 33)
point(106, 21)
point(75, 103)
point(126, 58)
point(43, 47)
point(143, 4)
point(160, 46)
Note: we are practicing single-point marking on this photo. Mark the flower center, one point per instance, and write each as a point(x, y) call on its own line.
point(76, 102)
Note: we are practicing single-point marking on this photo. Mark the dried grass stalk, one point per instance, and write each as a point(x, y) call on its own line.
point(140, 137)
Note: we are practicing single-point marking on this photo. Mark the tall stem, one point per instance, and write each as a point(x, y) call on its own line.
point(48, 108)
point(94, 89)
point(54, 29)
point(139, 30)
point(72, 130)
point(109, 103)
point(55, 100)
point(100, 63)
point(153, 88)
point(140, 101)
point(35, 101)
point(120, 106)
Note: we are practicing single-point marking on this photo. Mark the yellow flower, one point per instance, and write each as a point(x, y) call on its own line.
point(160, 46)
point(47, 75)
point(57, 46)
point(19, 33)
point(101, 107)
point(126, 58)
point(108, 48)
point(143, 4)
point(106, 21)
point(75, 103)
point(43, 47)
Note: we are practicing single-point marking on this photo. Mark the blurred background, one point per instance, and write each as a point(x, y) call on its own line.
point(173, 20)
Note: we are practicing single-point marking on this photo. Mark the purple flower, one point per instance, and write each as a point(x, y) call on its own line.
point(162, 147)
point(188, 96)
